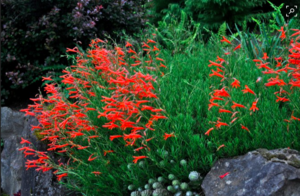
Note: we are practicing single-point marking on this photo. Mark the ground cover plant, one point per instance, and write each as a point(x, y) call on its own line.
point(147, 121)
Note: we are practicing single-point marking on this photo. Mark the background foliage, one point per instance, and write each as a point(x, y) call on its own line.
point(36, 33)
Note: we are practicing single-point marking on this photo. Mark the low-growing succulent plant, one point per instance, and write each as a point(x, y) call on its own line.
point(172, 161)
point(130, 166)
point(162, 163)
point(171, 188)
point(141, 163)
point(147, 186)
point(131, 187)
point(183, 162)
point(171, 177)
point(135, 193)
point(160, 192)
point(175, 182)
point(161, 179)
point(189, 193)
point(146, 193)
point(157, 185)
point(194, 176)
point(151, 181)
point(184, 186)
point(176, 187)
point(178, 194)
point(165, 153)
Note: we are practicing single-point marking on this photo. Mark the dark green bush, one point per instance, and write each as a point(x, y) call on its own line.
point(35, 34)
point(213, 13)
point(157, 6)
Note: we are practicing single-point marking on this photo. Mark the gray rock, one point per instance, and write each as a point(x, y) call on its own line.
point(14, 176)
point(258, 173)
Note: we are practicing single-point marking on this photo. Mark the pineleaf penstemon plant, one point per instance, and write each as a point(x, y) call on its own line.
point(106, 122)
point(277, 81)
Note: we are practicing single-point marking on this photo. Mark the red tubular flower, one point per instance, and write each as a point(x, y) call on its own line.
point(238, 47)
point(215, 64)
point(221, 146)
point(112, 137)
point(282, 99)
point(136, 158)
point(208, 131)
point(235, 83)
point(237, 105)
point(23, 141)
point(59, 177)
point(224, 175)
point(107, 151)
point(221, 93)
point(90, 158)
point(243, 127)
point(224, 111)
point(166, 136)
point(248, 90)
point(96, 173)
point(265, 57)
point(219, 124)
point(216, 74)
point(254, 107)
point(128, 44)
point(225, 40)
point(282, 36)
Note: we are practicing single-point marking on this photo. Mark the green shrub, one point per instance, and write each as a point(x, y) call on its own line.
point(35, 33)
point(177, 31)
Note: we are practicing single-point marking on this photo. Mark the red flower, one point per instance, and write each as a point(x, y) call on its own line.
point(90, 158)
point(220, 147)
point(238, 47)
point(208, 131)
point(219, 124)
point(243, 127)
point(282, 99)
point(61, 175)
point(254, 107)
point(166, 136)
point(112, 137)
point(265, 57)
point(248, 90)
point(236, 105)
point(96, 173)
point(221, 93)
point(23, 141)
point(235, 83)
point(136, 158)
point(128, 44)
point(216, 74)
point(224, 111)
point(225, 40)
point(282, 36)
point(107, 151)
point(224, 175)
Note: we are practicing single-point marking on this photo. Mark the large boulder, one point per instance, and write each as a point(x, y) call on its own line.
point(258, 173)
point(14, 176)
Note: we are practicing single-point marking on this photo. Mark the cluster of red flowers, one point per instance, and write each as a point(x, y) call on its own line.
point(292, 68)
point(85, 81)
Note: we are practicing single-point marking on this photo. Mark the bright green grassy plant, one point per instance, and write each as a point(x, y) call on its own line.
point(177, 31)
point(187, 90)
